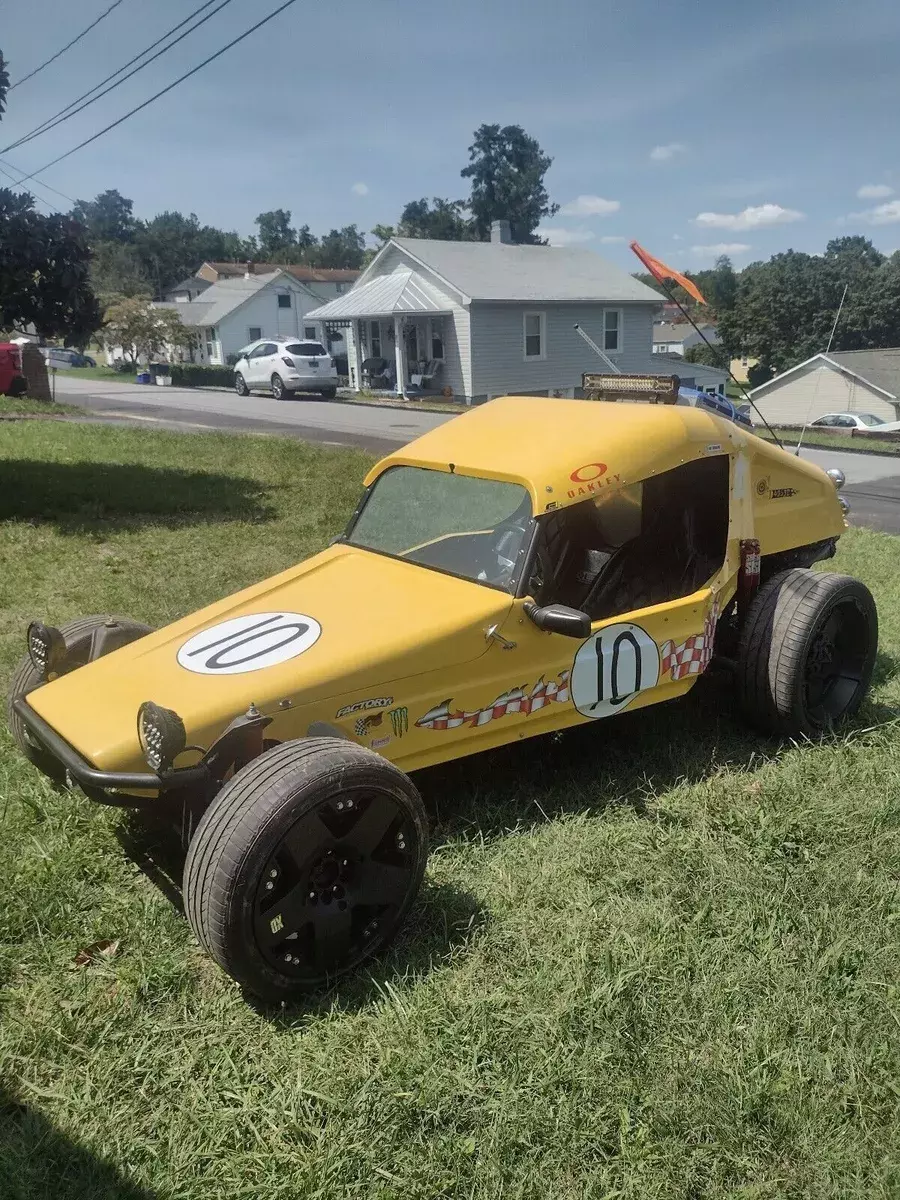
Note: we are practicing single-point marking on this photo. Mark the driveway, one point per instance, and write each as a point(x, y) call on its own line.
point(873, 480)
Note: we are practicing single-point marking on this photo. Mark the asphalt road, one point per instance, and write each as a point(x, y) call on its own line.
point(873, 480)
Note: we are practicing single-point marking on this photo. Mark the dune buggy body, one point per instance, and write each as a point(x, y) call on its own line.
point(527, 567)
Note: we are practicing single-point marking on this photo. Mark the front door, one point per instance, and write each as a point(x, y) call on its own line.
point(260, 363)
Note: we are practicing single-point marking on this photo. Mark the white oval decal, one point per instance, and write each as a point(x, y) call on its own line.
point(611, 667)
point(249, 643)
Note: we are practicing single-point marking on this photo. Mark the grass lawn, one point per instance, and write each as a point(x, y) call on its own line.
point(654, 958)
point(98, 372)
point(830, 441)
point(24, 406)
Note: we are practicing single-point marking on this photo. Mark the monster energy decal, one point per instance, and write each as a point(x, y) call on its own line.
point(399, 721)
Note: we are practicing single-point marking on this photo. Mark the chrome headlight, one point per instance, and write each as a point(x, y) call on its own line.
point(837, 477)
point(845, 504)
point(46, 648)
point(161, 734)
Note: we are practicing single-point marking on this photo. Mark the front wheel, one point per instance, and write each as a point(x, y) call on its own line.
point(240, 385)
point(305, 865)
point(329, 393)
point(277, 387)
point(807, 652)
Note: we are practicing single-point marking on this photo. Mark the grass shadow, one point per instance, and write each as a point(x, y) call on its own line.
point(37, 1162)
point(442, 922)
point(626, 761)
point(75, 496)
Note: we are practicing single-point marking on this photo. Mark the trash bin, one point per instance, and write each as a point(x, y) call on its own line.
point(144, 377)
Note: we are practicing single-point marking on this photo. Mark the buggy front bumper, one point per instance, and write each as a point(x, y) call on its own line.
point(104, 786)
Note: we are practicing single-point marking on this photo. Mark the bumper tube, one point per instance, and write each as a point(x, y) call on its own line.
point(90, 778)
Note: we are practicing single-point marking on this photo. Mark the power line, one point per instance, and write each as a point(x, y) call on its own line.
point(53, 58)
point(162, 92)
point(48, 186)
point(76, 106)
point(32, 192)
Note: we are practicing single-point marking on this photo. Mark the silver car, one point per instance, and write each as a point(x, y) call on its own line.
point(285, 365)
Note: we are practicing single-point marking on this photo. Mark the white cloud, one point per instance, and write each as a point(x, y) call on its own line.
point(760, 216)
point(718, 248)
point(612, 240)
point(676, 237)
point(558, 236)
point(875, 191)
point(361, 189)
point(881, 214)
point(590, 206)
point(669, 150)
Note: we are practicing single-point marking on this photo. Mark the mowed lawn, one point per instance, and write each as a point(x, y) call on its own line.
point(656, 957)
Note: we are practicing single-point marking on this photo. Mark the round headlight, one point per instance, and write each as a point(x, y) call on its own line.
point(845, 504)
point(46, 648)
point(161, 734)
point(837, 477)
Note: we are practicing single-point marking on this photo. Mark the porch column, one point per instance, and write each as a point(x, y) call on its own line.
point(356, 331)
point(429, 339)
point(399, 355)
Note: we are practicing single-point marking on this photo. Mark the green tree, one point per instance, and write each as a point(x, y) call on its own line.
point(344, 247)
point(143, 331)
point(276, 237)
point(507, 169)
point(442, 219)
point(44, 272)
point(117, 270)
point(709, 356)
point(172, 246)
point(106, 218)
point(719, 285)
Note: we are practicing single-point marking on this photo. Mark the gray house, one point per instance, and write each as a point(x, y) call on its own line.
point(489, 318)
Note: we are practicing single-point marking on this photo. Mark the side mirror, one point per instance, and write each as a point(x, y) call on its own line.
point(559, 618)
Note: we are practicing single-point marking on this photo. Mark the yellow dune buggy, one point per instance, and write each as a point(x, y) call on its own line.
point(530, 566)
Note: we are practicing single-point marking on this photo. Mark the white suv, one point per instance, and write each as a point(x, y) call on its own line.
point(281, 365)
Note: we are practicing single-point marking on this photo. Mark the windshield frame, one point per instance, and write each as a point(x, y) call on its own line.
point(523, 554)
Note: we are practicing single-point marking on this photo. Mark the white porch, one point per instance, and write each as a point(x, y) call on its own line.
point(396, 328)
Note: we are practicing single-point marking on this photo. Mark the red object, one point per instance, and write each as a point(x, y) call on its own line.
point(661, 272)
point(749, 573)
point(12, 381)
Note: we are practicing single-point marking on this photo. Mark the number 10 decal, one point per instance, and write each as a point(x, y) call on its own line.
point(611, 667)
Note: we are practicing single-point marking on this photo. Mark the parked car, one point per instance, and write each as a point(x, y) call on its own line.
point(535, 565)
point(284, 366)
point(849, 420)
point(12, 381)
point(59, 356)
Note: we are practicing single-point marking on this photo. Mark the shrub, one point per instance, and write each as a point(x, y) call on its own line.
point(198, 375)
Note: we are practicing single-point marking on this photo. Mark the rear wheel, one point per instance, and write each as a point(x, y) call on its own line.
point(304, 865)
point(78, 636)
point(240, 385)
point(807, 652)
point(329, 393)
point(277, 387)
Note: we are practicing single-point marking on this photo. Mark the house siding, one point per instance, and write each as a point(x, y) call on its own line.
point(262, 311)
point(812, 393)
point(498, 365)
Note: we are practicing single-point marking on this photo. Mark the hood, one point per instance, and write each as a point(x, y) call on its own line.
point(343, 625)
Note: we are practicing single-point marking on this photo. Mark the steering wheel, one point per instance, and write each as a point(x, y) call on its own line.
point(504, 550)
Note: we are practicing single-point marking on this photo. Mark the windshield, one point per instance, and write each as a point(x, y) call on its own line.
point(870, 419)
point(474, 528)
point(306, 349)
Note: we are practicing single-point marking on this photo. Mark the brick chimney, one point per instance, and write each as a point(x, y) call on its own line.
point(501, 233)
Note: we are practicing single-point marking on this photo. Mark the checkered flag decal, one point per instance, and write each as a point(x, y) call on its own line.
point(692, 656)
point(515, 701)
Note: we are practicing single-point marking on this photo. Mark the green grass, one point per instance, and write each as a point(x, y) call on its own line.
point(654, 958)
point(98, 372)
point(24, 406)
point(830, 441)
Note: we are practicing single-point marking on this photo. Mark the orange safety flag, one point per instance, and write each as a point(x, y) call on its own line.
point(660, 271)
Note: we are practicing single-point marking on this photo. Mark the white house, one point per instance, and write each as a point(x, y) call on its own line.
point(676, 338)
point(840, 381)
point(239, 309)
point(487, 318)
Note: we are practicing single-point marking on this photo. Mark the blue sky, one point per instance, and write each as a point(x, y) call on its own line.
point(689, 126)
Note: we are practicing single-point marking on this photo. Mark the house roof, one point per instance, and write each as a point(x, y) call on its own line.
point(385, 296)
point(877, 369)
point(500, 271)
point(222, 298)
point(193, 283)
point(229, 270)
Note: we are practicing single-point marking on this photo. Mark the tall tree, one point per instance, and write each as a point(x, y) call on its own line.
point(507, 169)
point(344, 247)
point(106, 218)
point(144, 332)
point(442, 219)
point(171, 246)
point(44, 272)
point(276, 237)
point(118, 270)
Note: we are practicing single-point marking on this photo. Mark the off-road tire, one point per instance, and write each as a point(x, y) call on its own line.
point(787, 620)
point(249, 820)
point(25, 679)
point(240, 385)
point(278, 389)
